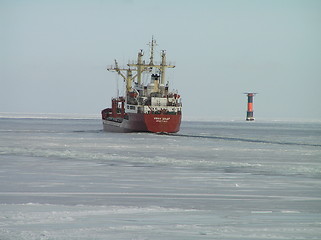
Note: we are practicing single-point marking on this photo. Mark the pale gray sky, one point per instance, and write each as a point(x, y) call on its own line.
point(53, 54)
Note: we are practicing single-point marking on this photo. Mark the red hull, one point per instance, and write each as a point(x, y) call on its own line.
point(140, 122)
point(162, 123)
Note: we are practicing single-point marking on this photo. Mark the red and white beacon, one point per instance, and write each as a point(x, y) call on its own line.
point(249, 113)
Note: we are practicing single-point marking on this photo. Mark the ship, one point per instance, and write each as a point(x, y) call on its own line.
point(147, 103)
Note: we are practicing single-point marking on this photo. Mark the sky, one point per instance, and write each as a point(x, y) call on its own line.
point(54, 54)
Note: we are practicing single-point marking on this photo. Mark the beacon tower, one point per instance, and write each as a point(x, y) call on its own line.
point(249, 113)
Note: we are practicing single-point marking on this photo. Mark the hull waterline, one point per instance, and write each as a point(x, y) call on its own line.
point(155, 123)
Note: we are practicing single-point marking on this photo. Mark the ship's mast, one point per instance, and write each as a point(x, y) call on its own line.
point(152, 44)
point(128, 78)
point(141, 67)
